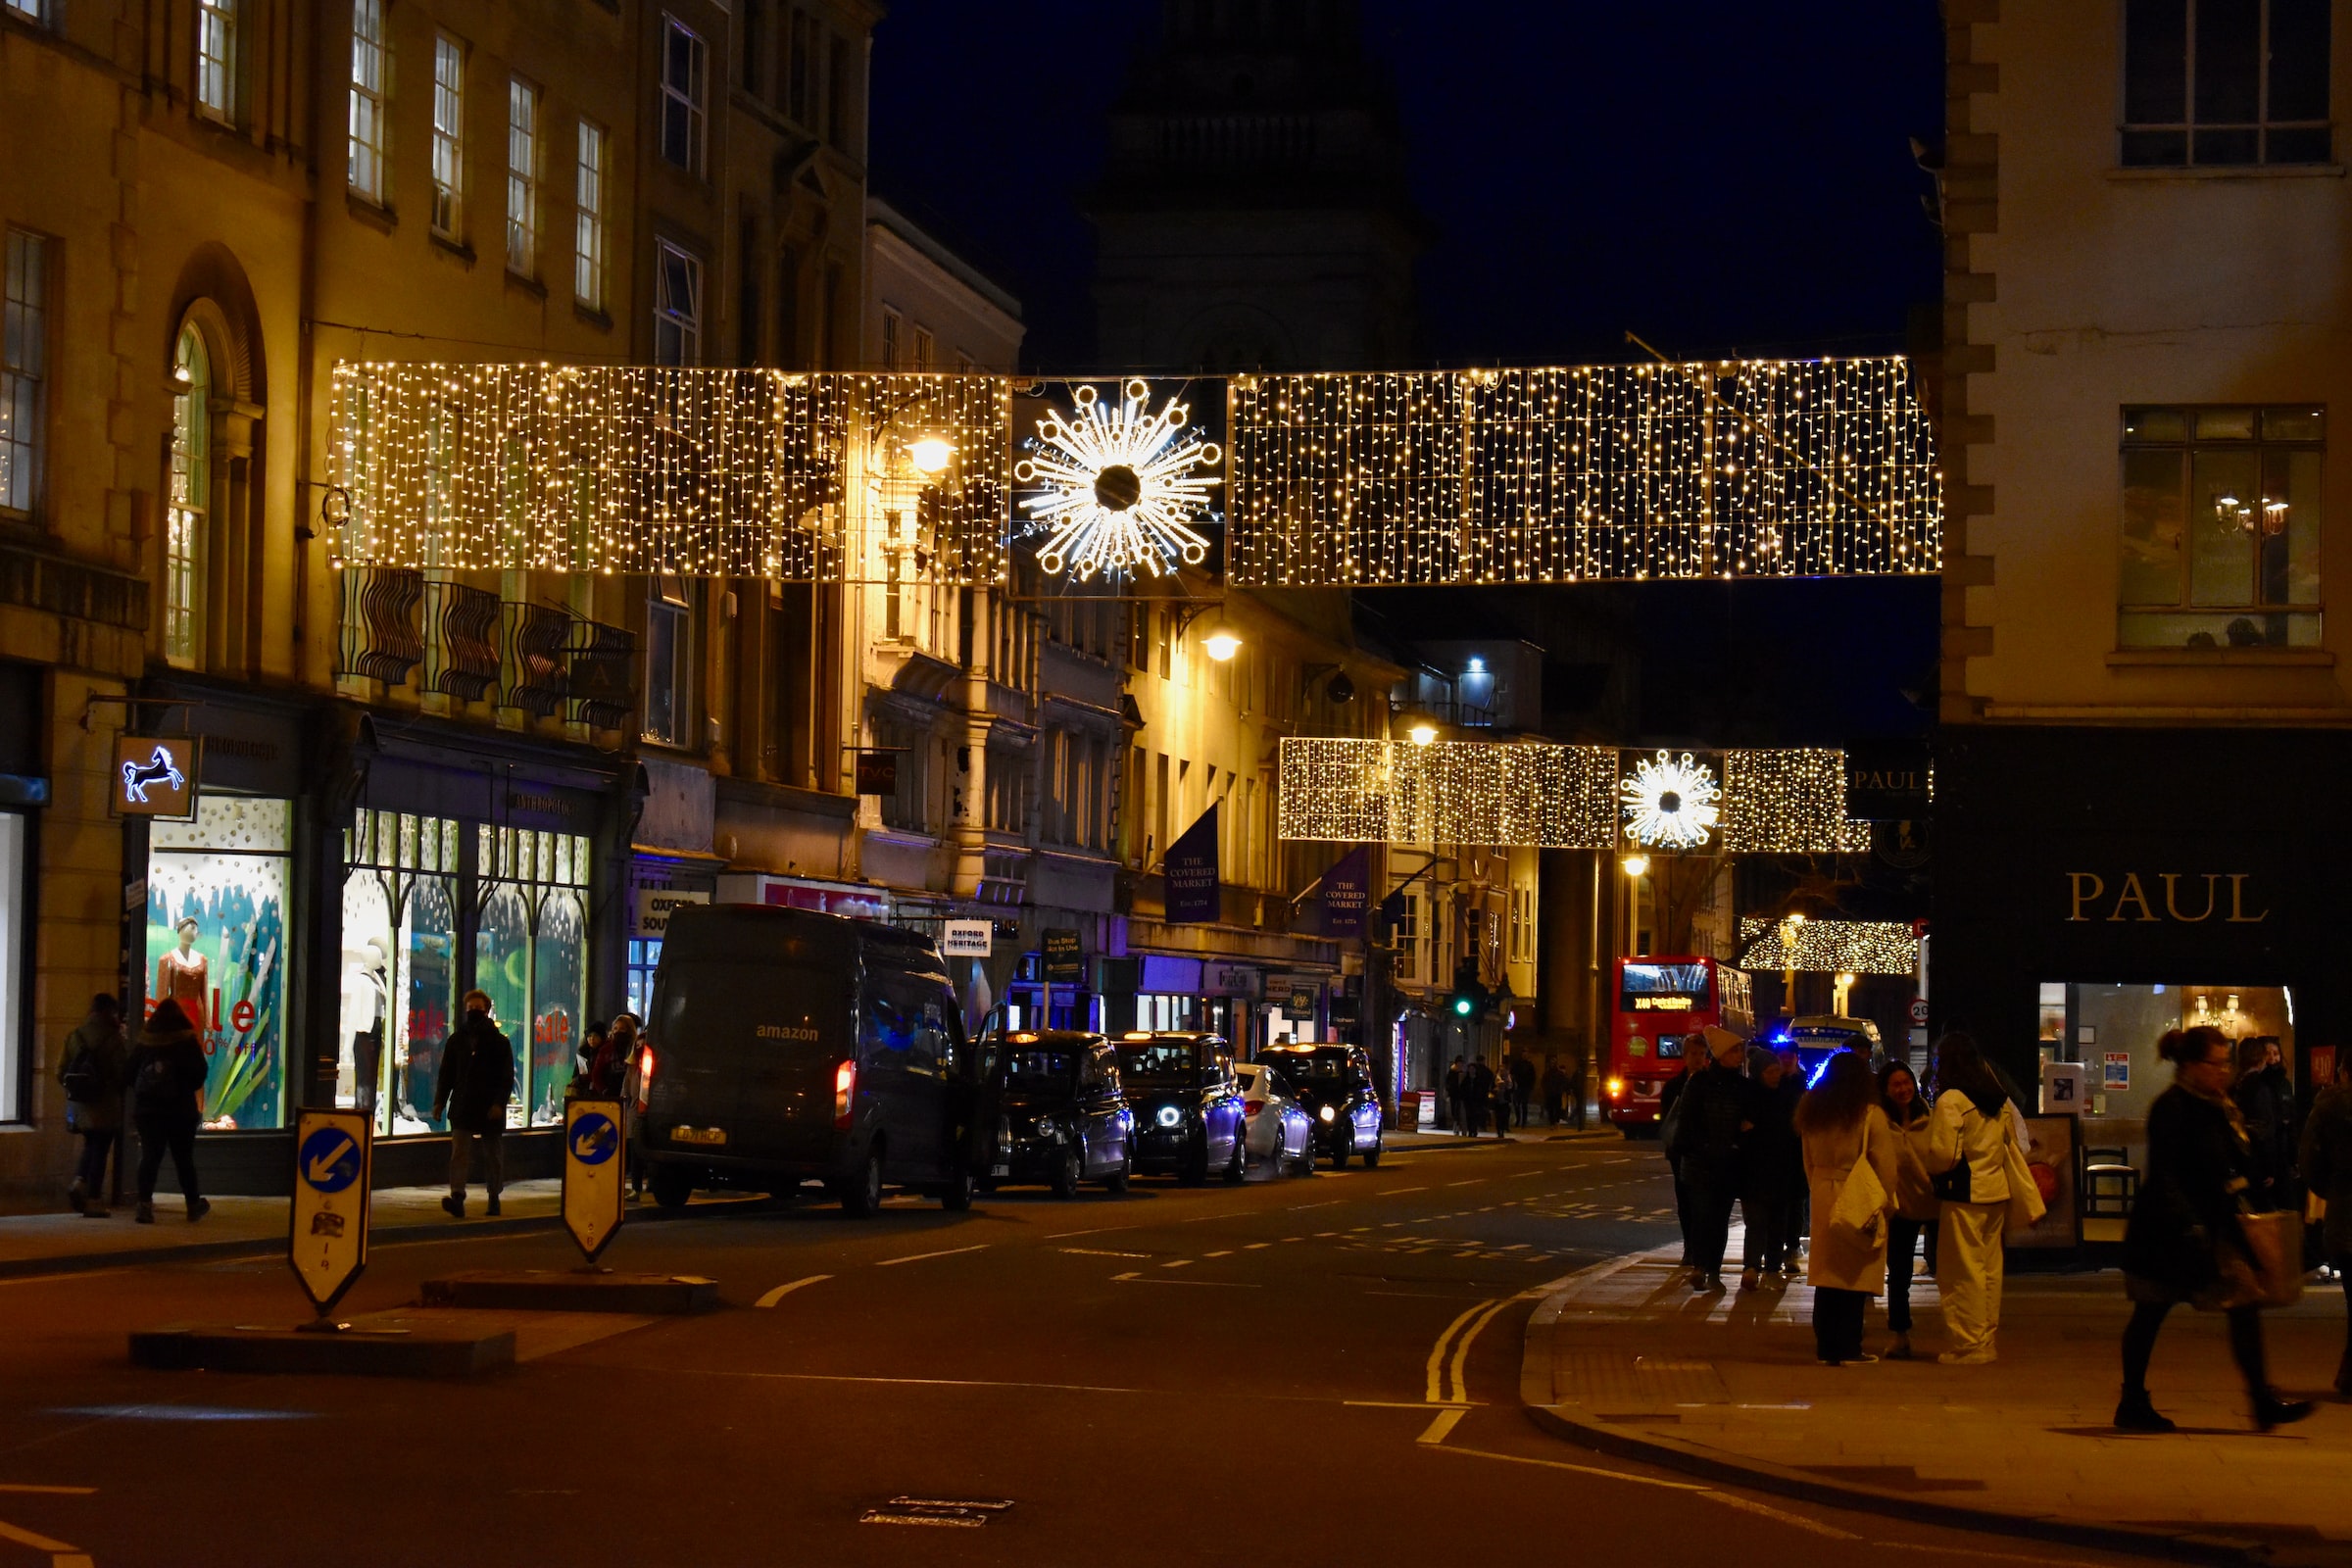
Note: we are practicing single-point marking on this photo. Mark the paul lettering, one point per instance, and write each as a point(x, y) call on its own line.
point(2133, 893)
point(2082, 893)
point(2237, 900)
point(2172, 903)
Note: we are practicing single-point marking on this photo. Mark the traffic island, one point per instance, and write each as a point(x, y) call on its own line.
point(574, 1290)
point(401, 1345)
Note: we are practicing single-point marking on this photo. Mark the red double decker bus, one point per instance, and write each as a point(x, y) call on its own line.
point(1661, 1005)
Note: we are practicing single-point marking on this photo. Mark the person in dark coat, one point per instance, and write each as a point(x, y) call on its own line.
point(2187, 1214)
point(1798, 1222)
point(1458, 1109)
point(1771, 1165)
point(2327, 1150)
point(2267, 1101)
point(1668, 1098)
point(94, 1071)
point(1523, 1084)
point(1555, 1093)
point(477, 1079)
point(1482, 1094)
point(166, 1103)
point(1709, 1122)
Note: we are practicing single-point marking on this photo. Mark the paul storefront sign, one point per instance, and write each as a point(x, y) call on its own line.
point(2156, 897)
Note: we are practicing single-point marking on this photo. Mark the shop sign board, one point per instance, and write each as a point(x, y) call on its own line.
point(1064, 962)
point(156, 775)
point(968, 939)
point(1886, 781)
point(1230, 980)
point(2116, 1078)
point(594, 1165)
point(327, 1240)
point(2053, 1157)
point(1190, 874)
point(1346, 890)
point(877, 772)
point(655, 907)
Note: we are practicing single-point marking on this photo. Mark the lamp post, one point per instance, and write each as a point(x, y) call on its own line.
point(1791, 925)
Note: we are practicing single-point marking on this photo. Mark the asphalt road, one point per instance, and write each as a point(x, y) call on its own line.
point(1295, 1371)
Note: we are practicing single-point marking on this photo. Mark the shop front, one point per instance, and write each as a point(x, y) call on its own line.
point(2100, 888)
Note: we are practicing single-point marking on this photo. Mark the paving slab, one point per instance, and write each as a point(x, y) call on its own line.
point(574, 1290)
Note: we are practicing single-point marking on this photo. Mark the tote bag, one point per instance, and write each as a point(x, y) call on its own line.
point(1861, 1204)
point(2026, 1207)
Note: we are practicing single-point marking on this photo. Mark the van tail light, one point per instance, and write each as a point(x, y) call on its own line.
point(646, 1061)
point(1251, 1107)
point(845, 1088)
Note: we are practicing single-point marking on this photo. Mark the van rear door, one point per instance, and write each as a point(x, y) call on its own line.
point(697, 1039)
point(798, 1035)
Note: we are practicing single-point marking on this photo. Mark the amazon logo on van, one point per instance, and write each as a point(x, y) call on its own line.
point(778, 1031)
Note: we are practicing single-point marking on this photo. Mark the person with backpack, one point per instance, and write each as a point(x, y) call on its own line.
point(94, 1072)
point(166, 1074)
point(477, 1079)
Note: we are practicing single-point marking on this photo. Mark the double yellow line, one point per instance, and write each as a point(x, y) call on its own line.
point(1448, 1384)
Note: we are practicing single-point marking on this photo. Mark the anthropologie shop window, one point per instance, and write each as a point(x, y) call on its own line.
point(216, 945)
point(2220, 537)
point(530, 953)
point(399, 966)
point(16, 865)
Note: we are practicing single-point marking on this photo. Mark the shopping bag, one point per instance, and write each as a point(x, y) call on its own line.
point(2276, 1241)
point(1861, 1198)
point(2026, 1207)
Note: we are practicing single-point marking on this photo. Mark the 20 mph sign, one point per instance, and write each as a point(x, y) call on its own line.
point(333, 1161)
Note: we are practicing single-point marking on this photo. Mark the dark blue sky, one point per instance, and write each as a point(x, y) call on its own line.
point(1715, 177)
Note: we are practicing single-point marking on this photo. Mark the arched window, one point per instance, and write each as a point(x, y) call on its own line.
point(191, 485)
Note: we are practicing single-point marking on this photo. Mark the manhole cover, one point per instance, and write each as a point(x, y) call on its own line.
point(948, 1513)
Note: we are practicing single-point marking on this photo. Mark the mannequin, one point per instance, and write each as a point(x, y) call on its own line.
point(183, 975)
point(365, 1009)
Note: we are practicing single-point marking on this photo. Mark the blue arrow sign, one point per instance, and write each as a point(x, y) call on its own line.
point(594, 1138)
point(329, 1160)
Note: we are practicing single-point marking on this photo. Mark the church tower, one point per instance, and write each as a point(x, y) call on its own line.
point(1253, 214)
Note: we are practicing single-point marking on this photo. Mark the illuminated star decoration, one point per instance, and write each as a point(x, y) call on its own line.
point(1669, 804)
point(1121, 487)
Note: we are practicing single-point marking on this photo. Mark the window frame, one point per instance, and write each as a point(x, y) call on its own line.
point(671, 598)
point(589, 238)
point(2190, 129)
point(523, 151)
point(187, 502)
point(448, 213)
point(217, 22)
point(26, 265)
point(368, 148)
point(690, 99)
point(686, 323)
point(36, 12)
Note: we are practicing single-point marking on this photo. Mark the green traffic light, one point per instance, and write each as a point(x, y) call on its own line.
point(1461, 1006)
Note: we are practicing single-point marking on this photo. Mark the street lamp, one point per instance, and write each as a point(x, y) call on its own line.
point(1220, 642)
point(1790, 925)
point(1636, 865)
point(931, 454)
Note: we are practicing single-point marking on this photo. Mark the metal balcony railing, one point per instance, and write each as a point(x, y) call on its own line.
point(535, 674)
point(380, 636)
point(462, 643)
point(601, 668)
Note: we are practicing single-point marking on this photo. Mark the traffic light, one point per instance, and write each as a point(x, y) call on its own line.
point(1469, 998)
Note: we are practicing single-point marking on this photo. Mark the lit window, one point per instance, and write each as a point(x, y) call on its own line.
point(684, 65)
point(217, 58)
point(2220, 540)
point(2225, 82)
point(668, 659)
point(23, 373)
point(677, 306)
point(448, 133)
point(190, 497)
point(29, 10)
point(367, 120)
point(588, 230)
point(523, 177)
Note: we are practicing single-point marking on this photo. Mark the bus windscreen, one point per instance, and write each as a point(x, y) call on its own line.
point(1666, 988)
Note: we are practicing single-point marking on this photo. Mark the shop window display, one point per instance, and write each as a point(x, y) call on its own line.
point(530, 955)
point(216, 945)
point(399, 971)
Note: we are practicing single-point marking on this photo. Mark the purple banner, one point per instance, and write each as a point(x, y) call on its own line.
point(1347, 888)
point(1192, 873)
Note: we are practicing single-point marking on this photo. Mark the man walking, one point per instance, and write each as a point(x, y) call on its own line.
point(94, 1072)
point(1709, 1123)
point(477, 1079)
point(1458, 1107)
point(1523, 1083)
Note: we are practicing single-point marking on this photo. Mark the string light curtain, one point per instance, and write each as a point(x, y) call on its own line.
point(1723, 468)
point(1827, 947)
point(1546, 796)
point(641, 469)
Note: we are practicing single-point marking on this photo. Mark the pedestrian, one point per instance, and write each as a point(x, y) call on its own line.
point(166, 1103)
point(2183, 1241)
point(1915, 1213)
point(1797, 1220)
point(1523, 1084)
point(1555, 1091)
point(478, 1078)
point(1483, 1094)
point(94, 1069)
point(1457, 1108)
point(1670, 1096)
point(1849, 1172)
point(1770, 1164)
point(2327, 1150)
point(614, 1056)
point(583, 1061)
point(1709, 1119)
point(632, 1049)
point(1969, 1134)
point(2267, 1101)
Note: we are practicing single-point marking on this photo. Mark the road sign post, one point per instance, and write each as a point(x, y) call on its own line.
point(595, 1166)
point(326, 1243)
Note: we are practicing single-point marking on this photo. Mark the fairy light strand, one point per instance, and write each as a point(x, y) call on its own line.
point(1827, 947)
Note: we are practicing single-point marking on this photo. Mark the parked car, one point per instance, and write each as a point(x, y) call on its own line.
point(785, 1045)
point(1817, 1036)
point(1189, 1115)
point(1060, 1117)
point(1334, 1084)
point(1279, 1128)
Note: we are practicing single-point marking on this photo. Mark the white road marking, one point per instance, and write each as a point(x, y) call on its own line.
point(914, 1383)
point(49, 1491)
point(1579, 1469)
point(1181, 1262)
point(1097, 1231)
point(1096, 1251)
point(1255, 1246)
point(918, 1257)
point(1732, 1500)
point(786, 1289)
point(1394, 1191)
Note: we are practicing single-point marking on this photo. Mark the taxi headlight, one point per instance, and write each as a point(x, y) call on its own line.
point(1329, 1114)
point(1170, 1116)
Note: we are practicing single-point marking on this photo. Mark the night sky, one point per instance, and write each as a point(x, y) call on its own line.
point(1721, 178)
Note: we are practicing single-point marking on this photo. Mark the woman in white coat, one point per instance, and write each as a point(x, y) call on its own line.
point(1847, 1138)
point(1967, 1143)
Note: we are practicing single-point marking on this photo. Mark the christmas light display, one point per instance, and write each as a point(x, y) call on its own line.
point(1119, 488)
point(600, 469)
point(1552, 797)
point(1669, 802)
point(1724, 469)
point(1827, 947)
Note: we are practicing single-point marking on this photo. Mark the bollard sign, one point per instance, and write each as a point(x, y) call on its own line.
point(327, 1243)
point(595, 1168)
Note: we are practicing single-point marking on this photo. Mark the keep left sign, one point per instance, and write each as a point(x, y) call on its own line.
point(334, 1153)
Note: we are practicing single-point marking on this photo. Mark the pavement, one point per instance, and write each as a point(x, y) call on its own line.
point(1623, 1358)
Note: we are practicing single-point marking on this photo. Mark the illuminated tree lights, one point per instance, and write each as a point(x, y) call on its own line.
point(1727, 468)
point(1118, 487)
point(1547, 795)
point(1669, 802)
point(1827, 947)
